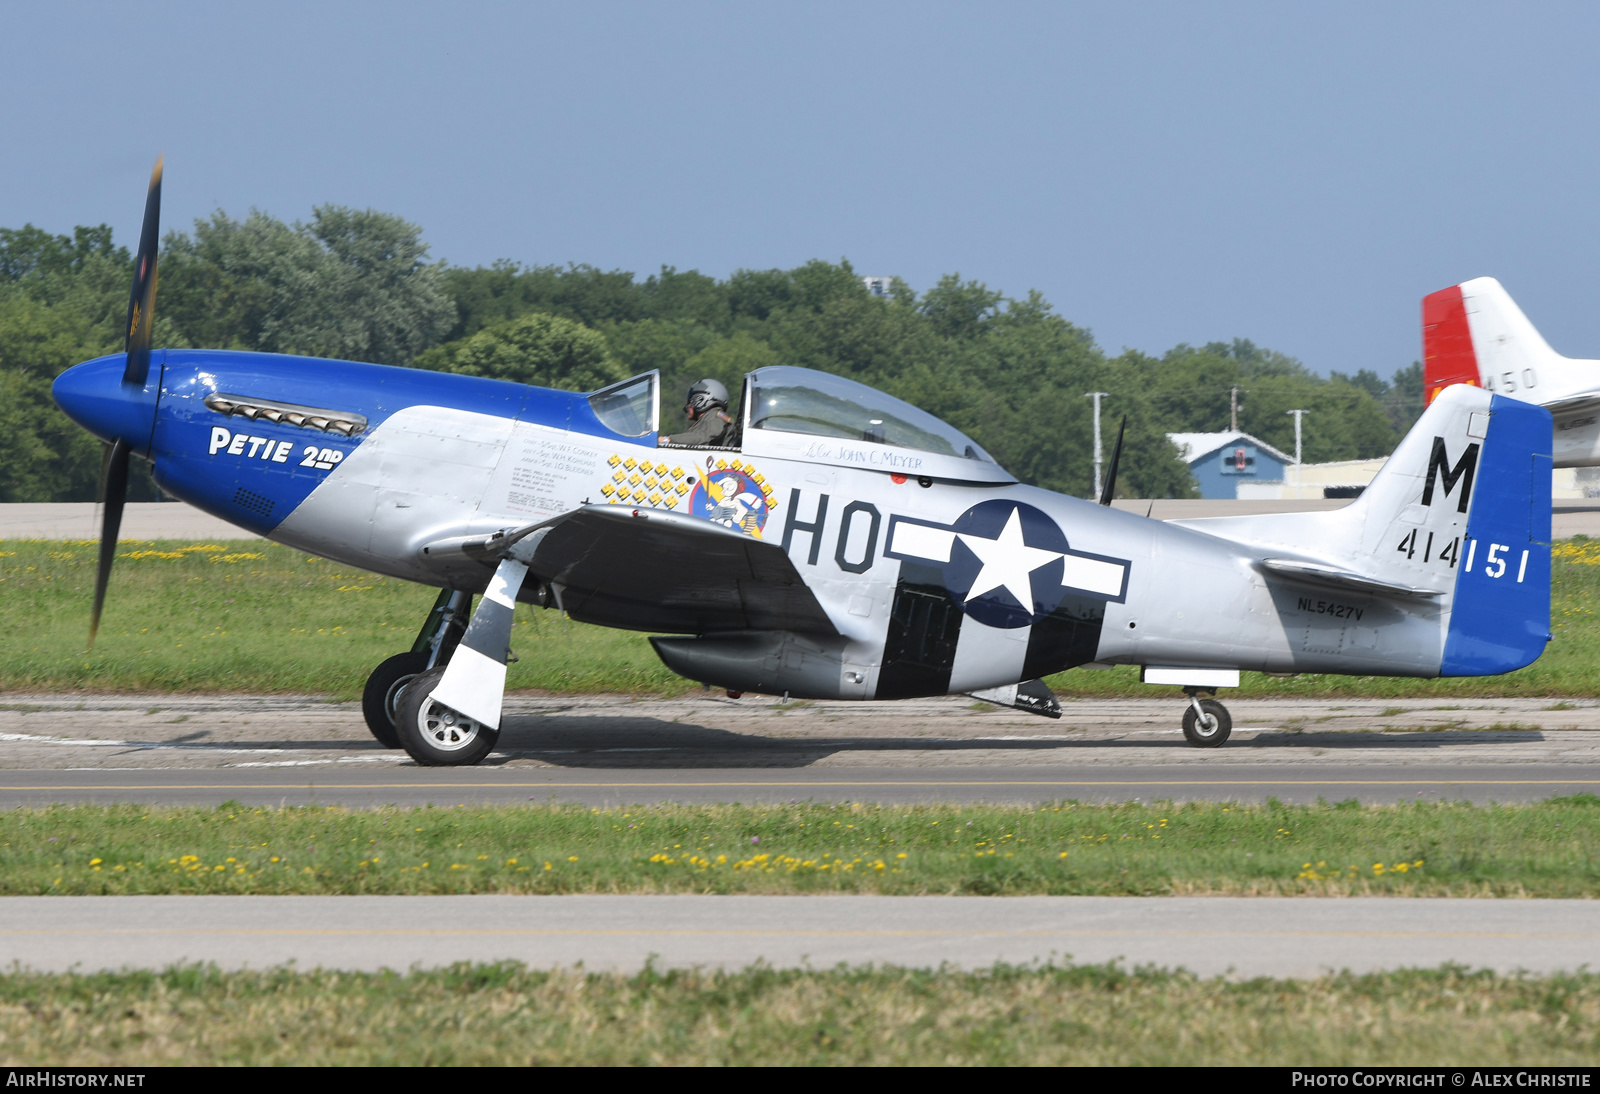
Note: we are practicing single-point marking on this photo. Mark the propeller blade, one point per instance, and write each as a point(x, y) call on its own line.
point(142, 300)
point(114, 489)
point(1110, 490)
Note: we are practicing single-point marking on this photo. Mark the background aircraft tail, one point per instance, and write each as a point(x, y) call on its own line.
point(1474, 333)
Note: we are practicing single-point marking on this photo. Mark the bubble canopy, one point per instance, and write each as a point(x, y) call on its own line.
point(785, 399)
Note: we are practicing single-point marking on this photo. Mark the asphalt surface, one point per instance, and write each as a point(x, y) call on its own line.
point(140, 520)
point(613, 750)
point(1242, 936)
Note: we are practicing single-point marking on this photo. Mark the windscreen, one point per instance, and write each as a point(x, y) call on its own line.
point(628, 408)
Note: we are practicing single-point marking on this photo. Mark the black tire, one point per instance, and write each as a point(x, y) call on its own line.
point(433, 734)
point(383, 691)
point(1203, 736)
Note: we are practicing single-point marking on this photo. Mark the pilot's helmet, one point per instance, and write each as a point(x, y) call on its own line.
point(706, 394)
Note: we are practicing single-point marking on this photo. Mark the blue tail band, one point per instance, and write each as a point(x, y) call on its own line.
point(1500, 619)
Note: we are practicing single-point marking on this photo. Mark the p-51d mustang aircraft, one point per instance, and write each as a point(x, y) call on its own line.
point(1474, 333)
point(846, 545)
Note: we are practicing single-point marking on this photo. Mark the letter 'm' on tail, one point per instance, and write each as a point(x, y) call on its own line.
point(1474, 333)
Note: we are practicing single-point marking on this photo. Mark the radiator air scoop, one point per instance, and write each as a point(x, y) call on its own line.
point(769, 662)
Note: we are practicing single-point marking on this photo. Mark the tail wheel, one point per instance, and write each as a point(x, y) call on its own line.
point(1209, 726)
point(435, 735)
point(382, 694)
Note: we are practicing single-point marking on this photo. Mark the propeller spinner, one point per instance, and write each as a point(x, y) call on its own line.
point(141, 310)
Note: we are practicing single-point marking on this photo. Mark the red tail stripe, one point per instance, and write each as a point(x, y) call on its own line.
point(1447, 356)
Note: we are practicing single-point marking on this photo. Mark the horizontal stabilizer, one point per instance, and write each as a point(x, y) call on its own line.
point(1314, 573)
point(1576, 404)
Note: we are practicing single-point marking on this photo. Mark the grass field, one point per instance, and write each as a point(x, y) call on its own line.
point(506, 1014)
point(1548, 849)
point(251, 616)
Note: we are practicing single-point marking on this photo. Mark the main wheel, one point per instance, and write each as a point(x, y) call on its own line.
point(1213, 730)
point(435, 735)
point(383, 689)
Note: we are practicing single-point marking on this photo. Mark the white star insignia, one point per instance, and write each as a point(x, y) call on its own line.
point(1008, 562)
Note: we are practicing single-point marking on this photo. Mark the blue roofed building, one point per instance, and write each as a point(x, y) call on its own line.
point(1220, 462)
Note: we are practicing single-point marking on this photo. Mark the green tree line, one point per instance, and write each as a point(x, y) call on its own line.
point(359, 285)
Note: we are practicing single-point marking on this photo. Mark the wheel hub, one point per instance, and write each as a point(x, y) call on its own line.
point(447, 730)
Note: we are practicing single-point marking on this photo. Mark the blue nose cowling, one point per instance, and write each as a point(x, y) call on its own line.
point(93, 395)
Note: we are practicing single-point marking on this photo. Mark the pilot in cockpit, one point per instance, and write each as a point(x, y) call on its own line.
point(706, 407)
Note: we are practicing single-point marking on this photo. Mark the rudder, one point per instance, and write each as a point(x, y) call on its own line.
point(1447, 356)
point(1500, 613)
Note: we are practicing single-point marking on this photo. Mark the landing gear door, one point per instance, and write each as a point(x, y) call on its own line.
point(631, 408)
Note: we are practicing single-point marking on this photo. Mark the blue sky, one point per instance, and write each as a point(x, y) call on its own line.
point(1295, 174)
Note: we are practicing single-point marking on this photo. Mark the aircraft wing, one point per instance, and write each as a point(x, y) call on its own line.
point(1316, 573)
point(650, 569)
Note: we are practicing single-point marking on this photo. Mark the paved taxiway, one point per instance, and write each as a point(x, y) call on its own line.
point(1244, 936)
point(611, 750)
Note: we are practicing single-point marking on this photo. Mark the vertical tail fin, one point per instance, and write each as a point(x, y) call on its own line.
point(1453, 534)
point(1474, 333)
point(1462, 509)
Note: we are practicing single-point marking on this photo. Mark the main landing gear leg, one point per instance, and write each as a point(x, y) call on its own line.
point(450, 714)
point(1207, 722)
point(441, 633)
